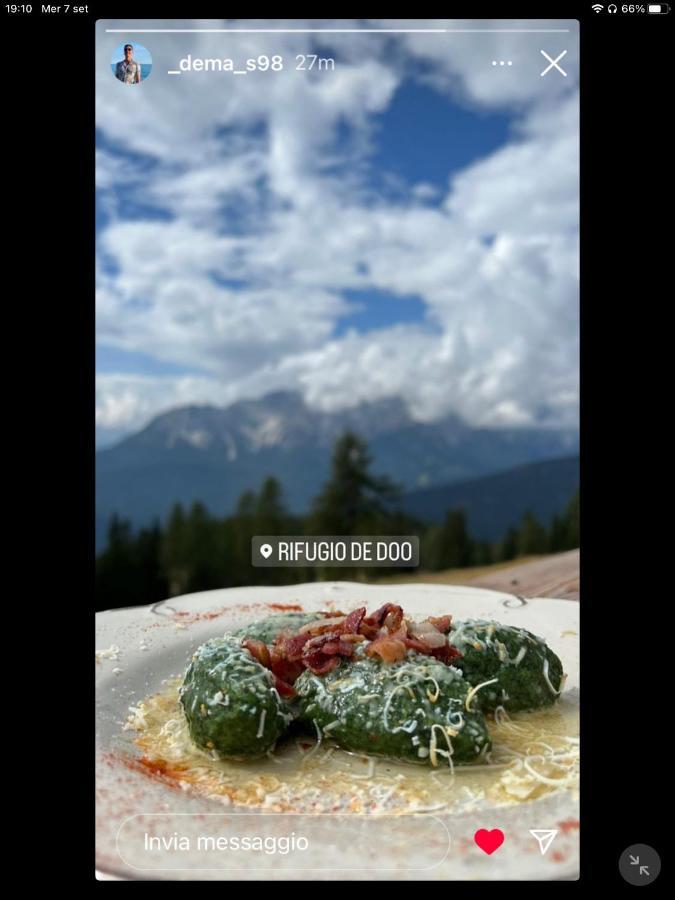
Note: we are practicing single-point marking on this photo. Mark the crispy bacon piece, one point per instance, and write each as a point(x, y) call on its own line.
point(338, 648)
point(320, 664)
point(368, 631)
point(400, 634)
point(283, 687)
point(353, 621)
point(320, 626)
point(426, 637)
point(427, 634)
point(286, 669)
point(375, 619)
point(291, 646)
point(446, 654)
point(393, 619)
point(317, 642)
point(321, 653)
point(331, 644)
point(258, 650)
point(420, 646)
point(387, 648)
point(382, 613)
point(353, 638)
point(442, 623)
point(388, 616)
point(286, 655)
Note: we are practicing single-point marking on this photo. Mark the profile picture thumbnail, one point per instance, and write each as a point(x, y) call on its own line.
point(131, 63)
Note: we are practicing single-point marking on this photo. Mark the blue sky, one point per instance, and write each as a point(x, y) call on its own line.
point(113, 359)
point(421, 137)
point(425, 136)
point(385, 227)
point(374, 310)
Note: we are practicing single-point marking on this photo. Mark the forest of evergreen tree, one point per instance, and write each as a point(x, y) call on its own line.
point(195, 550)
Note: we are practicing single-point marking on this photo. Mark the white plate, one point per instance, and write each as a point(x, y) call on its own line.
point(155, 642)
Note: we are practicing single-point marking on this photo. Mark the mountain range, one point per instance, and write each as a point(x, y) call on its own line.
point(496, 502)
point(214, 454)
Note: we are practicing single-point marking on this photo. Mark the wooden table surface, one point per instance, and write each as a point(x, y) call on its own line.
point(554, 576)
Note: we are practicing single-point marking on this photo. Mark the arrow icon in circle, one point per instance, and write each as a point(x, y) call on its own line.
point(644, 871)
point(544, 837)
point(635, 860)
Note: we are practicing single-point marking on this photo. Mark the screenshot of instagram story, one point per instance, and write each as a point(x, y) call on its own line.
point(337, 437)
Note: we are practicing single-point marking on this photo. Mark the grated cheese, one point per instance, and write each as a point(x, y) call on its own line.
point(474, 690)
point(548, 680)
point(112, 652)
point(434, 749)
point(519, 658)
point(331, 725)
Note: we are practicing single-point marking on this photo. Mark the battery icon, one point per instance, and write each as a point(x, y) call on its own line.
point(658, 8)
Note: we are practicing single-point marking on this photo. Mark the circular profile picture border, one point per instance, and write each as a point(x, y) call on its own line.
point(131, 63)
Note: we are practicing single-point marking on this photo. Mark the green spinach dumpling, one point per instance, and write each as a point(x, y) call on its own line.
point(413, 710)
point(230, 701)
point(266, 630)
point(527, 673)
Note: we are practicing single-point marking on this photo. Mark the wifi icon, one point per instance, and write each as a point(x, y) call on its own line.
point(597, 7)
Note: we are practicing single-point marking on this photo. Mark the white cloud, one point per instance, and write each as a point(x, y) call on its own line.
point(462, 64)
point(495, 263)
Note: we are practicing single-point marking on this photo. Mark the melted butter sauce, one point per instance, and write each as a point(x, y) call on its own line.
point(533, 754)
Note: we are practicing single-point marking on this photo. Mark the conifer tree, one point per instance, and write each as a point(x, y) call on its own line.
point(532, 537)
point(353, 498)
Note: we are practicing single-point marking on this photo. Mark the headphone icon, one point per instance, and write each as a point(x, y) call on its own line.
point(611, 8)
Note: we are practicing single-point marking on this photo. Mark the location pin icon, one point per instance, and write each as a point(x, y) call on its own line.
point(266, 550)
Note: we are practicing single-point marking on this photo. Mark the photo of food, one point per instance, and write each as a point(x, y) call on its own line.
point(300, 711)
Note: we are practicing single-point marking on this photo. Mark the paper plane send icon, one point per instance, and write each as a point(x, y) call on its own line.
point(544, 837)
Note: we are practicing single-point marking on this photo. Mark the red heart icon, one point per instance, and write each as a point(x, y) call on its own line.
point(489, 841)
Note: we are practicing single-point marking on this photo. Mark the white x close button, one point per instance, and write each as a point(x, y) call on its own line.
point(553, 63)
